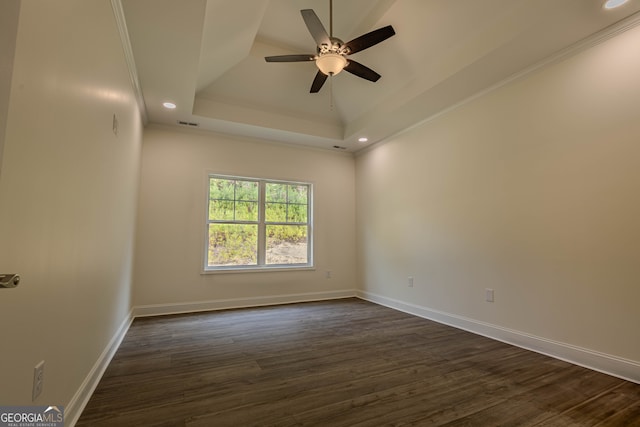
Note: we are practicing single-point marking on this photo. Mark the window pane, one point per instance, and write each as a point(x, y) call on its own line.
point(232, 244)
point(286, 244)
point(298, 194)
point(221, 188)
point(223, 193)
point(275, 212)
point(221, 210)
point(297, 213)
point(247, 190)
point(276, 192)
point(246, 211)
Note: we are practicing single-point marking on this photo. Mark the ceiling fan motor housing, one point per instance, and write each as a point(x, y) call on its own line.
point(337, 46)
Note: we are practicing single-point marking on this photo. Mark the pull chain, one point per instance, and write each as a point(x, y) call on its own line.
point(331, 92)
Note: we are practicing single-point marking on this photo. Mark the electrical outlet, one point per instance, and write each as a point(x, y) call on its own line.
point(410, 281)
point(327, 274)
point(488, 295)
point(38, 380)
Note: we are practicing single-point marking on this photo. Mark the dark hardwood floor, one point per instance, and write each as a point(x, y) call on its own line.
point(342, 363)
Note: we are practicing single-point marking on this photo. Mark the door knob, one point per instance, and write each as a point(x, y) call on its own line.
point(9, 280)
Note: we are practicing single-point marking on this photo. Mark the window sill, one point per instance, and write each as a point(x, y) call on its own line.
point(260, 269)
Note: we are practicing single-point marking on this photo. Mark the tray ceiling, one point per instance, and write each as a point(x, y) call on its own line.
point(207, 56)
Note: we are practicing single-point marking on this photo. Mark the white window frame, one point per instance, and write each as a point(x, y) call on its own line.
point(262, 223)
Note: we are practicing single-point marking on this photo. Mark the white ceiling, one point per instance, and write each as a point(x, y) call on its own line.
point(207, 56)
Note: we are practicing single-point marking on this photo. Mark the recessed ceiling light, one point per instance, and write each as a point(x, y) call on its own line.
point(363, 139)
point(169, 105)
point(612, 4)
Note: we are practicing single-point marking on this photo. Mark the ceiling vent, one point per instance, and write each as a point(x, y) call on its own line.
point(190, 124)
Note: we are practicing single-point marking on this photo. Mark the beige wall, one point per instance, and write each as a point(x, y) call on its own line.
point(170, 238)
point(9, 14)
point(532, 190)
point(68, 194)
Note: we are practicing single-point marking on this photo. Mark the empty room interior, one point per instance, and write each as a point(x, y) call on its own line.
point(446, 217)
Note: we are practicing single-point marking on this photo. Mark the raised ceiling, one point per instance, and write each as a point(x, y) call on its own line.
point(207, 56)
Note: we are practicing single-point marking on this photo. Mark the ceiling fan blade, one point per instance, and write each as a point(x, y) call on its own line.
point(318, 81)
point(315, 27)
point(357, 69)
point(290, 58)
point(367, 40)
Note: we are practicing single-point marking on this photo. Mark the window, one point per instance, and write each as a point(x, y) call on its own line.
point(257, 223)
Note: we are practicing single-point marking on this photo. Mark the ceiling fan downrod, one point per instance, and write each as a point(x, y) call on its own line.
point(330, 18)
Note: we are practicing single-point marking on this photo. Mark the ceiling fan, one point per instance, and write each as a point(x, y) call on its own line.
point(331, 55)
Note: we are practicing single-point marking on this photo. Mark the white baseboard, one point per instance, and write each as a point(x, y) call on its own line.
point(612, 365)
point(225, 304)
point(79, 400)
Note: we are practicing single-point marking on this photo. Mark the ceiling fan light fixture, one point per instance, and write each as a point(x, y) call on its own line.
point(331, 63)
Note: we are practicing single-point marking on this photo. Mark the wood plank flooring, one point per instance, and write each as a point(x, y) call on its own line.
point(342, 363)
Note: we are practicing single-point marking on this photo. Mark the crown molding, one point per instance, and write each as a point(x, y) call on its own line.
point(121, 22)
